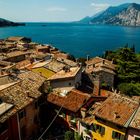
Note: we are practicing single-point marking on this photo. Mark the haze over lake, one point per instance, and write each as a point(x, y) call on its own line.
point(77, 39)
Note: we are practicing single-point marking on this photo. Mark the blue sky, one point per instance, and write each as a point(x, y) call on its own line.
point(53, 10)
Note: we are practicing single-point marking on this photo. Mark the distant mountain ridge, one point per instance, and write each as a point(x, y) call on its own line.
point(4, 23)
point(126, 15)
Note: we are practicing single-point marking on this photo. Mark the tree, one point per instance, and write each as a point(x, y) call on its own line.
point(77, 136)
point(128, 69)
point(69, 135)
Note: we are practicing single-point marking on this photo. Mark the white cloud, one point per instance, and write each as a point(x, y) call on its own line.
point(56, 9)
point(99, 6)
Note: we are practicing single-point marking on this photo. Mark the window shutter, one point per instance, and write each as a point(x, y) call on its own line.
point(113, 134)
point(93, 127)
point(102, 130)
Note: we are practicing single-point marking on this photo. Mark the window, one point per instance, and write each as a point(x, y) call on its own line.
point(118, 136)
point(69, 84)
point(98, 128)
point(22, 114)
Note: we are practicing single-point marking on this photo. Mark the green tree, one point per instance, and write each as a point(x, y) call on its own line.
point(128, 69)
point(77, 136)
point(69, 135)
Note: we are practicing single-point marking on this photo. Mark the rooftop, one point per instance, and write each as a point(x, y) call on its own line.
point(15, 38)
point(54, 65)
point(63, 74)
point(42, 47)
point(58, 54)
point(117, 109)
point(15, 53)
point(67, 62)
point(73, 101)
point(97, 59)
point(16, 96)
point(23, 64)
point(21, 93)
point(100, 64)
point(43, 71)
point(5, 107)
point(4, 63)
point(32, 81)
point(40, 64)
point(136, 120)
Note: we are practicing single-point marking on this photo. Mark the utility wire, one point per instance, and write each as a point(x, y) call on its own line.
point(40, 138)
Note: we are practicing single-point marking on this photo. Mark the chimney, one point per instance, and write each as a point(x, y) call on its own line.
point(87, 57)
point(1, 71)
point(103, 61)
point(93, 65)
point(83, 112)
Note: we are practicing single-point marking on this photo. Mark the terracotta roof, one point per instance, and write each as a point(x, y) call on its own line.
point(15, 38)
point(42, 47)
point(14, 95)
point(117, 109)
point(32, 81)
point(54, 65)
point(5, 63)
point(73, 101)
point(61, 55)
point(62, 74)
point(67, 62)
point(105, 93)
point(97, 59)
point(21, 93)
point(16, 53)
point(40, 64)
point(23, 64)
point(136, 120)
point(100, 65)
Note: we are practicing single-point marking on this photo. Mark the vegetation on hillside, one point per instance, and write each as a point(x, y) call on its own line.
point(128, 69)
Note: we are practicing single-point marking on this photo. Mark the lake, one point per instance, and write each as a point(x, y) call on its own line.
point(77, 39)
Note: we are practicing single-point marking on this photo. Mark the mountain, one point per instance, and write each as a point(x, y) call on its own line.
point(126, 15)
point(4, 23)
point(87, 19)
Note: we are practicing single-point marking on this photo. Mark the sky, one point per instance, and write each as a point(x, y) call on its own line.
point(54, 10)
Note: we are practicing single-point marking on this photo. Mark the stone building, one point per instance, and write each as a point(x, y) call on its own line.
point(101, 72)
point(66, 78)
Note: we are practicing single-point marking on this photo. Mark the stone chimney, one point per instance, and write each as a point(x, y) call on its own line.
point(83, 112)
point(103, 61)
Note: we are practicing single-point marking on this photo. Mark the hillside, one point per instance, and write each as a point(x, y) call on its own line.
point(4, 23)
point(126, 15)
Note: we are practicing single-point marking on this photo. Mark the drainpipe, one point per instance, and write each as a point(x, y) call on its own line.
point(19, 133)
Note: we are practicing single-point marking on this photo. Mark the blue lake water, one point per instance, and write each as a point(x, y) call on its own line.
point(79, 40)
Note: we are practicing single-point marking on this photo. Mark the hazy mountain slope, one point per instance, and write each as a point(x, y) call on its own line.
point(4, 22)
point(126, 14)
